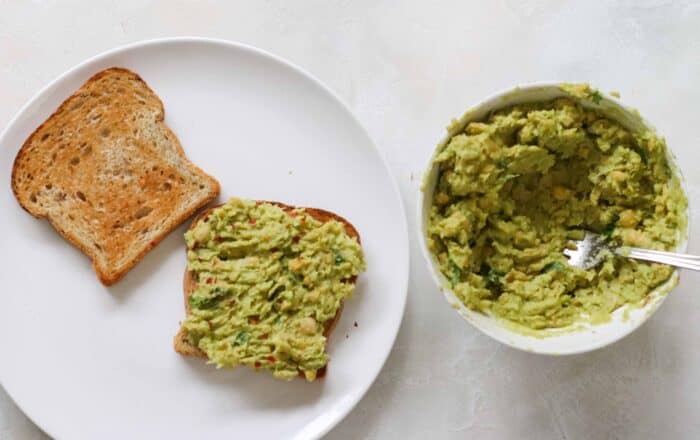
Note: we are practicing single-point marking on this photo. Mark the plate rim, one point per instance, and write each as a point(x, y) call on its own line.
point(332, 418)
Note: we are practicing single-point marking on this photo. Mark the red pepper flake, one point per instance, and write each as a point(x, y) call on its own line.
point(257, 364)
point(253, 320)
point(265, 336)
point(274, 250)
point(303, 219)
point(271, 359)
point(252, 221)
point(153, 243)
point(218, 239)
point(195, 245)
point(296, 239)
point(209, 280)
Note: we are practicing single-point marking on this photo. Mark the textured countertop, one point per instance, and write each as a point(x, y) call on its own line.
point(406, 68)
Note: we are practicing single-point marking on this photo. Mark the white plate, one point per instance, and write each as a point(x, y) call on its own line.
point(86, 361)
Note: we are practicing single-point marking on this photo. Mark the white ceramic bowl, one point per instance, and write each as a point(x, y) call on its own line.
point(568, 340)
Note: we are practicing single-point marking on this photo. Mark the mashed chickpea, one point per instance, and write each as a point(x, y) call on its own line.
point(515, 188)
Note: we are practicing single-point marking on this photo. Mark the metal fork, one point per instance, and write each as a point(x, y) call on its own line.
point(594, 248)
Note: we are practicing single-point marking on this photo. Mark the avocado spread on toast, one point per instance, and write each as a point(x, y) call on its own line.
point(268, 281)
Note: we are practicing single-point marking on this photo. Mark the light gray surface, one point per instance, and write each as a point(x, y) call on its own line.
point(406, 68)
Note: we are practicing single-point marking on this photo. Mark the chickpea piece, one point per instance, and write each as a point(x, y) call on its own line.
point(561, 192)
point(520, 276)
point(307, 325)
point(485, 203)
point(202, 232)
point(442, 198)
point(296, 264)
point(491, 146)
point(476, 127)
point(633, 237)
point(488, 168)
point(618, 176)
point(628, 219)
point(313, 296)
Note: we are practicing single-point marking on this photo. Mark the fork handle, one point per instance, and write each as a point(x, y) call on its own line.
point(670, 258)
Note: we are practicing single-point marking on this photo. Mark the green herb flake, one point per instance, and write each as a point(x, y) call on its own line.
point(276, 290)
point(610, 227)
point(492, 276)
point(596, 97)
point(642, 154)
point(241, 338)
point(295, 278)
point(554, 265)
point(203, 303)
point(455, 274)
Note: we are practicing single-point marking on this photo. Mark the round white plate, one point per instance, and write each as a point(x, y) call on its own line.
point(86, 361)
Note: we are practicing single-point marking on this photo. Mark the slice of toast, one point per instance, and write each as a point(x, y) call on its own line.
point(182, 344)
point(108, 174)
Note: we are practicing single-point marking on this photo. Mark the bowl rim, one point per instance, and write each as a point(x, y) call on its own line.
point(521, 340)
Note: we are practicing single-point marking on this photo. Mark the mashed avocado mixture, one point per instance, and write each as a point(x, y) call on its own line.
point(267, 283)
point(513, 190)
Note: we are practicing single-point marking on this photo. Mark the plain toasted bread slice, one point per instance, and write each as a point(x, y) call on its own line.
point(108, 174)
point(182, 344)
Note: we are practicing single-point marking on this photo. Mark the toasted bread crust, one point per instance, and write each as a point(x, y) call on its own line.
point(109, 261)
point(183, 346)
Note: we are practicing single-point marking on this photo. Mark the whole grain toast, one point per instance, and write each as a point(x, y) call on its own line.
point(108, 174)
point(184, 347)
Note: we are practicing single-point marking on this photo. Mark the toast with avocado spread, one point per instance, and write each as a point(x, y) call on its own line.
point(264, 284)
point(108, 174)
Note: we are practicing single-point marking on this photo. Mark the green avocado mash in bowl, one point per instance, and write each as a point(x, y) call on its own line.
point(521, 176)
